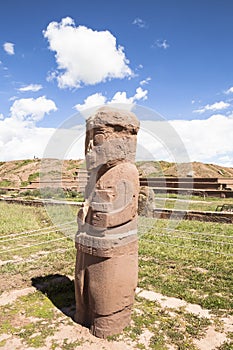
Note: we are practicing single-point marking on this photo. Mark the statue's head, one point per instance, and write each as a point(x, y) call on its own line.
point(111, 135)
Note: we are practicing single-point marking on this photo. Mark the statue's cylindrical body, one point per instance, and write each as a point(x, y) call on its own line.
point(106, 241)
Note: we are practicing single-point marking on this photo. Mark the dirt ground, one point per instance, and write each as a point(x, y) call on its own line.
point(67, 333)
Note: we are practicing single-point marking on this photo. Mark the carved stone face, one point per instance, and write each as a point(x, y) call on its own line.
point(109, 139)
point(95, 148)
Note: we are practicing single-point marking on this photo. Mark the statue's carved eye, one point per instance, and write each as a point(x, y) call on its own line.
point(98, 139)
point(118, 128)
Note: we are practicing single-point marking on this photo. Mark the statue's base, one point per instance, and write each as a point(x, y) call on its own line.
point(105, 289)
point(106, 326)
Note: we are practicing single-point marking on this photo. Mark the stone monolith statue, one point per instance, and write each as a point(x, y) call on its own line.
point(106, 241)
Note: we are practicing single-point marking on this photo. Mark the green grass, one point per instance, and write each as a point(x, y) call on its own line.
point(34, 305)
point(22, 163)
point(33, 176)
point(48, 193)
point(35, 253)
point(226, 346)
point(190, 264)
point(173, 201)
point(5, 183)
point(24, 183)
point(26, 161)
point(177, 328)
point(17, 218)
point(185, 259)
point(29, 193)
point(35, 223)
point(73, 164)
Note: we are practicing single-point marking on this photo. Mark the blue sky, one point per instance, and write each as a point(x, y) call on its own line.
point(60, 57)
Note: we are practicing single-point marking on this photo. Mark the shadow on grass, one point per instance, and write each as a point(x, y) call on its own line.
point(59, 289)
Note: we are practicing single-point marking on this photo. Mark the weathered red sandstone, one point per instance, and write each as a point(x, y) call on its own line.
point(106, 241)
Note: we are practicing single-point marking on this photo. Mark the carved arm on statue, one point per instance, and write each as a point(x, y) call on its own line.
point(113, 219)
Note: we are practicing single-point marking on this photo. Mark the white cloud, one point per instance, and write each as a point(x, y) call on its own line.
point(120, 97)
point(19, 136)
point(84, 55)
point(51, 76)
point(214, 107)
point(31, 109)
point(30, 87)
point(145, 81)
point(9, 48)
point(140, 94)
point(13, 98)
point(91, 101)
point(208, 140)
point(139, 22)
point(229, 91)
point(18, 141)
point(162, 44)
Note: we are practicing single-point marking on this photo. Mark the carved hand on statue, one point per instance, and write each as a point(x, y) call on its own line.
point(114, 218)
point(115, 197)
point(83, 212)
point(107, 195)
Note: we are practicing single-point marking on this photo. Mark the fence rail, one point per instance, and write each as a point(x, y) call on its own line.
point(208, 242)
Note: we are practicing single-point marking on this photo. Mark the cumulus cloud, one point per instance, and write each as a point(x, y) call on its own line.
point(145, 81)
point(139, 22)
point(85, 56)
point(19, 136)
point(9, 48)
point(229, 91)
point(140, 94)
point(31, 109)
point(204, 140)
point(120, 97)
point(162, 44)
point(208, 140)
point(30, 87)
point(19, 141)
point(91, 101)
point(214, 107)
point(13, 98)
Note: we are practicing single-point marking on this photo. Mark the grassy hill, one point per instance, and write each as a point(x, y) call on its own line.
point(195, 169)
point(19, 173)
